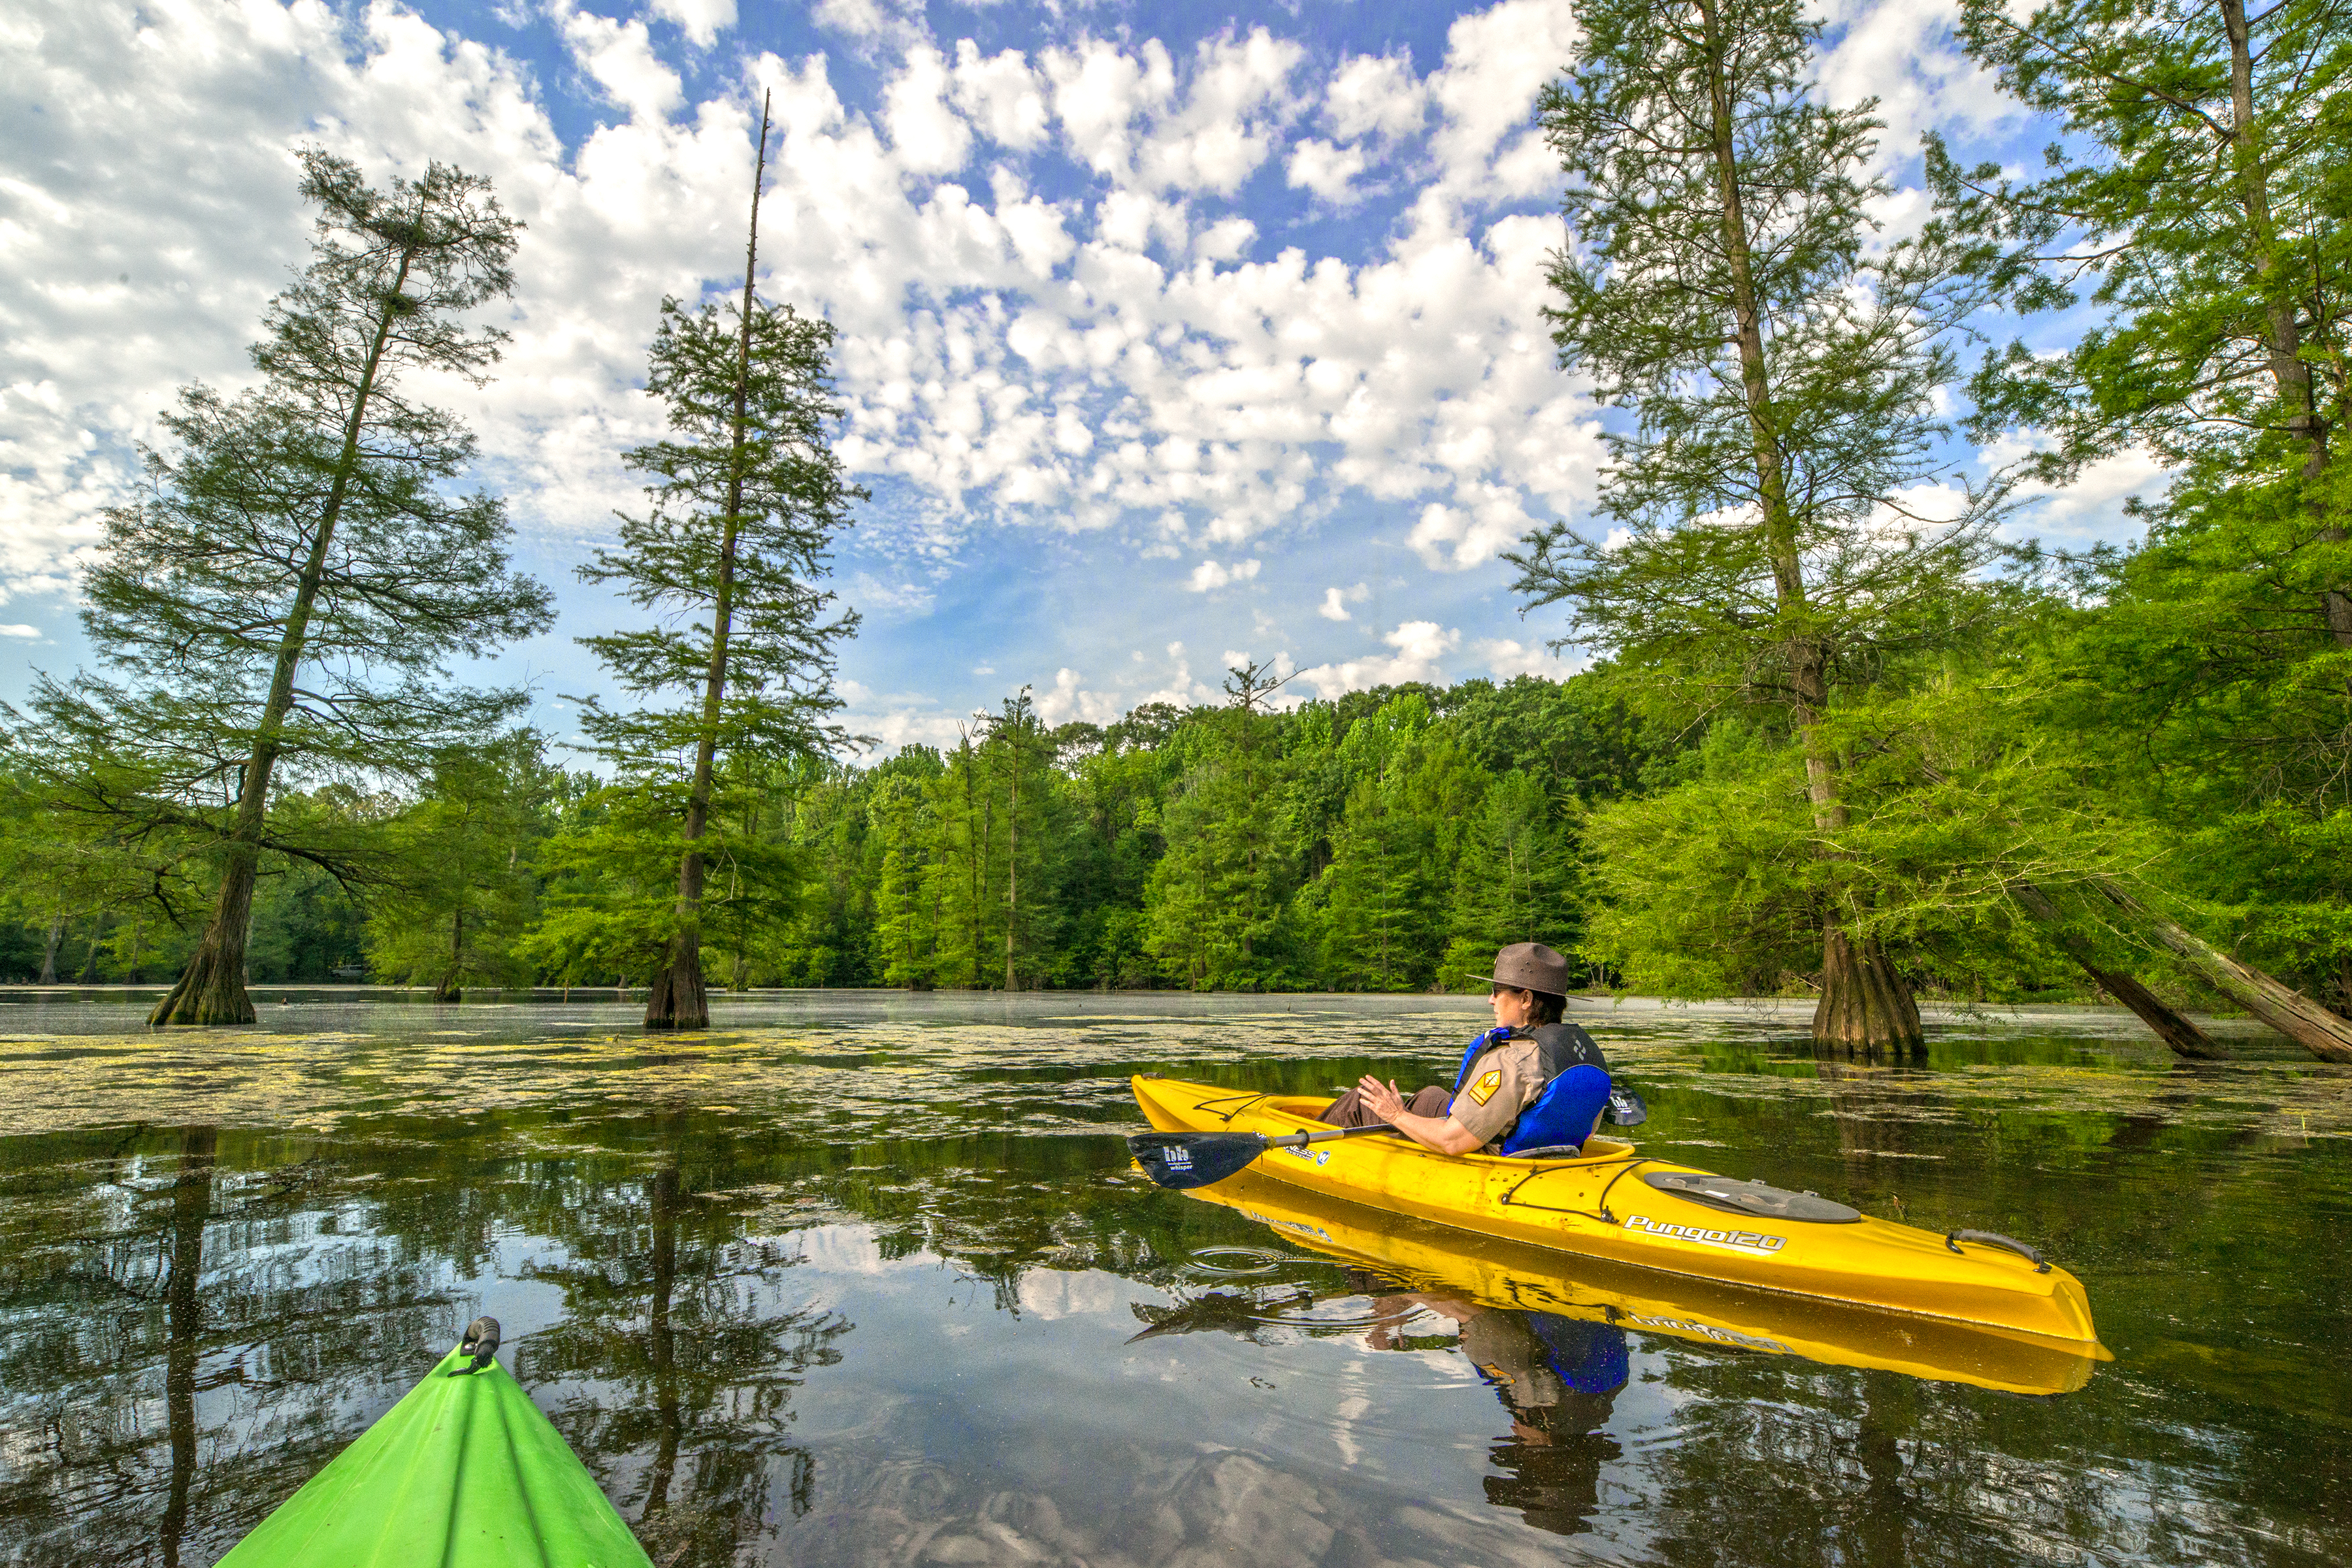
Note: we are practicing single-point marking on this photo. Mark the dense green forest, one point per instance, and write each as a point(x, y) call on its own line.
point(1847, 732)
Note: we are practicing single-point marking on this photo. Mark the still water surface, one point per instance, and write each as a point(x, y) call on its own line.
point(861, 1278)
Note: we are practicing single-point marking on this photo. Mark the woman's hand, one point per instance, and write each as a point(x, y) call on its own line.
point(1382, 1099)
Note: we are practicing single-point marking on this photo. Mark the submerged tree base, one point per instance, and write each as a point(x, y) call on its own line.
point(1866, 1005)
point(677, 999)
point(210, 991)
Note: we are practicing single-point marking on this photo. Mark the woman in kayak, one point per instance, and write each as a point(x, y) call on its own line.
point(1505, 1072)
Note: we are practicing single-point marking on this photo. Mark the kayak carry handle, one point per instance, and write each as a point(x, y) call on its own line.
point(482, 1343)
point(1995, 1238)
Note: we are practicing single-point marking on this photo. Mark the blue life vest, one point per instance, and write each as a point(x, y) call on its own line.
point(1589, 1357)
point(1575, 1092)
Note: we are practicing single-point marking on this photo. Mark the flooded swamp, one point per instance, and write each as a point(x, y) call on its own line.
point(868, 1278)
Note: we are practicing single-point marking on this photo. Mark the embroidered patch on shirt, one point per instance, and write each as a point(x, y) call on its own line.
point(1484, 1090)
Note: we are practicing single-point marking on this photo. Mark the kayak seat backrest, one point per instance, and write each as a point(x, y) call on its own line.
point(1562, 1117)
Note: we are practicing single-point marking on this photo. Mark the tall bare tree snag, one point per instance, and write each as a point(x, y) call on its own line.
point(746, 499)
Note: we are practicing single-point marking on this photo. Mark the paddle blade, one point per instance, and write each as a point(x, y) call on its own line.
point(1182, 1160)
point(1625, 1108)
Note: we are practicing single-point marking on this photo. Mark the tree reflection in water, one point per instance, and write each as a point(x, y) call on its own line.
point(671, 1317)
point(186, 1339)
point(192, 1207)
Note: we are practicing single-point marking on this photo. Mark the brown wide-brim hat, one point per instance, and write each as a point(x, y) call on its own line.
point(1529, 966)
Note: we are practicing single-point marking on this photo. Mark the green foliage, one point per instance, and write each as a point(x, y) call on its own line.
point(2207, 217)
point(746, 499)
point(451, 916)
point(276, 610)
point(2198, 206)
point(1786, 519)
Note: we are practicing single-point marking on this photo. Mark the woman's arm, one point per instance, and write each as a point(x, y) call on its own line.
point(1442, 1134)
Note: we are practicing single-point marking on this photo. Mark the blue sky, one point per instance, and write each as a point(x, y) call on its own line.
point(1170, 334)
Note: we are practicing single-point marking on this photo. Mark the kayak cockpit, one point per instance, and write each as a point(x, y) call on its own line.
point(1303, 1110)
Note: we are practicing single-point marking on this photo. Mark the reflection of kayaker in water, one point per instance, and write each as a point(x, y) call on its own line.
point(1531, 1084)
point(1558, 1379)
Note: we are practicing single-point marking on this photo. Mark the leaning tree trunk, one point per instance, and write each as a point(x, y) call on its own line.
point(2282, 1007)
point(2169, 1026)
point(211, 990)
point(1865, 1005)
point(678, 997)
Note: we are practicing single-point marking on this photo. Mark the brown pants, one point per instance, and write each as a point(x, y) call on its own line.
point(1349, 1110)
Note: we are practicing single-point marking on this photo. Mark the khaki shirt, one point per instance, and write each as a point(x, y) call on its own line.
point(1507, 1350)
point(1504, 1081)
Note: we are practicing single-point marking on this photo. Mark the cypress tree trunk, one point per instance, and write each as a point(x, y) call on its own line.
point(1866, 1003)
point(49, 949)
point(449, 991)
point(679, 998)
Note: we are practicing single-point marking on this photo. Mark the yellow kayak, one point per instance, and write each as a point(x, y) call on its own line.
point(1612, 1201)
point(1440, 1261)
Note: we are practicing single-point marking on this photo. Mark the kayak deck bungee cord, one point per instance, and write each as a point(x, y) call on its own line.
point(1613, 1201)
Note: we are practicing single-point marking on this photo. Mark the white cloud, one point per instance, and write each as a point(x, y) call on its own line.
point(871, 22)
point(1455, 538)
point(875, 595)
point(620, 56)
point(1375, 95)
point(1235, 103)
point(1908, 58)
point(1508, 656)
point(1067, 699)
point(1420, 646)
point(1328, 171)
point(1497, 61)
point(2092, 508)
point(1008, 358)
point(1002, 96)
point(19, 630)
point(1211, 575)
point(1336, 601)
point(929, 137)
point(699, 20)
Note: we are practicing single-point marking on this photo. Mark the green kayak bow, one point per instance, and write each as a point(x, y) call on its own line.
point(463, 1472)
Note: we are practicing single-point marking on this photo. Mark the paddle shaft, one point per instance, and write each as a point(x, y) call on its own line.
point(1300, 1140)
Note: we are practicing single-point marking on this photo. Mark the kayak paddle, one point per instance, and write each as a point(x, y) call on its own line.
point(1182, 1160)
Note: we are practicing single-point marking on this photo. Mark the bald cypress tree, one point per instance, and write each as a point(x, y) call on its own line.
point(1722, 284)
point(276, 610)
point(747, 496)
